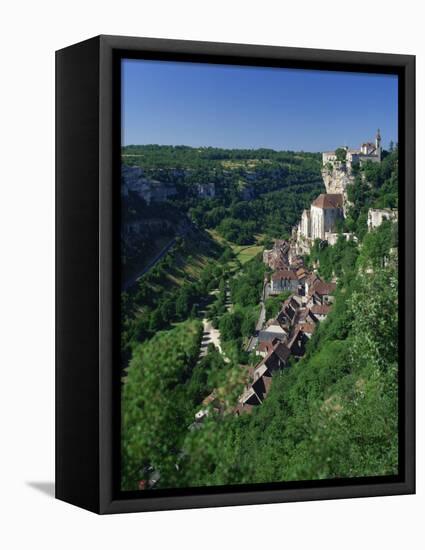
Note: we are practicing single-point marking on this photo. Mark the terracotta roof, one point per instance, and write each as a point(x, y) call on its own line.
point(266, 346)
point(284, 274)
point(308, 327)
point(319, 309)
point(328, 200)
point(321, 288)
point(312, 278)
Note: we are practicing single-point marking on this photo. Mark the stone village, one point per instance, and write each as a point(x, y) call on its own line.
point(311, 298)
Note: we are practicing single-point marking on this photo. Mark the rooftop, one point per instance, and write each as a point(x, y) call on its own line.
point(328, 200)
point(321, 288)
point(320, 309)
point(284, 274)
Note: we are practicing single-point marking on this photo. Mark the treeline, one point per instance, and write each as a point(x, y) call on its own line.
point(182, 156)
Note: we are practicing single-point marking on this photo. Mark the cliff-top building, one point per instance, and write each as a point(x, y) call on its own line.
point(322, 219)
point(368, 152)
point(337, 171)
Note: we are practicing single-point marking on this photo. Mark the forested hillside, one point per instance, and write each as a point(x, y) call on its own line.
point(334, 412)
point(255, 191)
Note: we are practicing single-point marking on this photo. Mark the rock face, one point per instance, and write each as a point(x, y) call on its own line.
point(337, 179)
point(134, 179)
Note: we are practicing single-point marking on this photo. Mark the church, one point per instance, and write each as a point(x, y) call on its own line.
point(322, 218)
point(321, 221)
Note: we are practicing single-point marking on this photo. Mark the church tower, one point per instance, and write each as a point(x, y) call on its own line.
point(378, 144)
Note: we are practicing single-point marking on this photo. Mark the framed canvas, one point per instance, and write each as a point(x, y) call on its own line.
point(235, 295)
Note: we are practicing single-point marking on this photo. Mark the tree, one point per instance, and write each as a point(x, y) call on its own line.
point(230, 326)
point(341, 154)
point(154, 416)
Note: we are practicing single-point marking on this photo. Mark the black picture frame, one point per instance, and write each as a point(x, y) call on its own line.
point(87, 194)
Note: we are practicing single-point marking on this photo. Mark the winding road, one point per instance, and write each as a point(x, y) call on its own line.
point(133, 279)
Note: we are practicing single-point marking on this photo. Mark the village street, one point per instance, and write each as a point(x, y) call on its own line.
point(252, 343)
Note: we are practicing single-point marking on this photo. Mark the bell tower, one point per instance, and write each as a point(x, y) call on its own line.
point(378, 144)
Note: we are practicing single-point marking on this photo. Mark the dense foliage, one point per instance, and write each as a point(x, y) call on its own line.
point(331, 414)
point(375, 186)
point(274, 303)
point(255, 191)
point(155, 406)
point(167, 292)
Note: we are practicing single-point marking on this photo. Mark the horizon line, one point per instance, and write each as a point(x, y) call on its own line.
point(242, 148)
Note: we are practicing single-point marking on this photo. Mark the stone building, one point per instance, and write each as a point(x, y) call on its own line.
point(376, 216)
point(321, 220)
point(305, 223)
point(338, 174)
point(284, 280)
point(325, 212)
point(368, 152)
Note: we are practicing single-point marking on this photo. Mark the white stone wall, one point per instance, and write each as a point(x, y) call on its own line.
point(305, 225)
point(376, 216)
point(317, 223)
point(283, 284)
point(329, 156)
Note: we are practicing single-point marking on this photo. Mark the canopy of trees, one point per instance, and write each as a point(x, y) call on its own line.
point(334, 413)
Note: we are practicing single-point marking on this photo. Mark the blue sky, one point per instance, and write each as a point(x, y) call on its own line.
point(176, 103)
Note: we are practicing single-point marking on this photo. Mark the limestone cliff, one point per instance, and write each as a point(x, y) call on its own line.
point(336, 179)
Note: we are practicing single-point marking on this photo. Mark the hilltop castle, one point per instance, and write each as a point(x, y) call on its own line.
point(328, 209)
point(368, 152)
point(338, 165)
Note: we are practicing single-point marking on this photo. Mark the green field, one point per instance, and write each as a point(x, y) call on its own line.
point(243, 253)
point(246, 253)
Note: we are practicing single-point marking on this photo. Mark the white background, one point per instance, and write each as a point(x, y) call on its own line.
point(30, 32)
